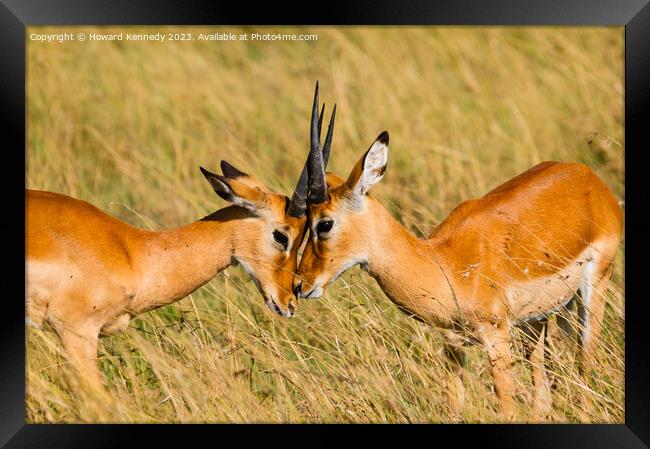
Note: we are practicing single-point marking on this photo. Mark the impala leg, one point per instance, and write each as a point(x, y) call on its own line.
point(592, 312)
point(455, 356)
point(81, 348)
point(497, 342)
point(535, 351)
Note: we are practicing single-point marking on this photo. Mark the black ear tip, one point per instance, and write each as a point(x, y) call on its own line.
point(383, 137)
point(229, 171)
point(221, 178)
point(211, 176)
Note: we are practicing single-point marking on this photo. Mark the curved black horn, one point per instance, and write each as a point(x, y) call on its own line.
point(305, 187)
point(298, 204)
point(320, 120)
point(315, 166)
point(328, 138)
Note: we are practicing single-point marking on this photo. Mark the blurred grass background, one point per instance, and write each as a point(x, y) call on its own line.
point(125, 125)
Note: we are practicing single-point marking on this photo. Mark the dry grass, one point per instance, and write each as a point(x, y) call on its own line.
point(126, 125)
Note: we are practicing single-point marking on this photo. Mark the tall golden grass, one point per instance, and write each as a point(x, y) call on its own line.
point(125, 125)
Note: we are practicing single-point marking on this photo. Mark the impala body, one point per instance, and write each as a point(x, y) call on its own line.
point(90, 273)
point(512, 257)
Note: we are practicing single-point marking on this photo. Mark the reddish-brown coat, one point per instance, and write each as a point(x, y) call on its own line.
point(89, 272)
point(516, 254)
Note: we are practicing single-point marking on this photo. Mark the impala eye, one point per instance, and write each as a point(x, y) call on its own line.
point(324, 226)
point(281, 239)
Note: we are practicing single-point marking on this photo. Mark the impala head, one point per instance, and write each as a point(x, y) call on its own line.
point(271, 226)
point(339, 222)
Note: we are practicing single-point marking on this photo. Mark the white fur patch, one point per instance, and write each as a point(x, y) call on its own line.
point(319, 286)
point(31, 323)
point(586, 290)
point(241, 202)
point(220, 186)
point(316, 292)
point(374, 166)
point(533, 299)
point(345, 268)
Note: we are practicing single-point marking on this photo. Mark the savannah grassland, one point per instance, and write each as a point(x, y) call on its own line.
point(126, 125)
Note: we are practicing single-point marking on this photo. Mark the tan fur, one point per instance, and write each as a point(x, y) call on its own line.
point(517, 254)
point(88, 272)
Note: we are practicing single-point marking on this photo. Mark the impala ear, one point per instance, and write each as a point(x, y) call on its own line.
point(238, 193)
point(231, 172)
point(370, 168)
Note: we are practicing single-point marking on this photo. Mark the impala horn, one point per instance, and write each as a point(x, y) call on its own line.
point(311, 186)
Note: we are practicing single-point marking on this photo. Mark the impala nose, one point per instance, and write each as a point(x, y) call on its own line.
point(297, 288)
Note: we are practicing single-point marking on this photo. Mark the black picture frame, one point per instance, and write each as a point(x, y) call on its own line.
point(15, 15)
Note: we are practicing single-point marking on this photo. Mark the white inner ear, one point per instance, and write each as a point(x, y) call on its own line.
point(239, 201)
point(219, 186)
point(374, 166)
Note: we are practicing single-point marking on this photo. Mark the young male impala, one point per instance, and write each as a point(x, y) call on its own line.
point(89, 273)
point(512, 257)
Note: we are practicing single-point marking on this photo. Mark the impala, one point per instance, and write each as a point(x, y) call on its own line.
point(89, 273)
point(510, 258)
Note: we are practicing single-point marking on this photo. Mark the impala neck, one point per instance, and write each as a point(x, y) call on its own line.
point(178, 261)
point(408, 269)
